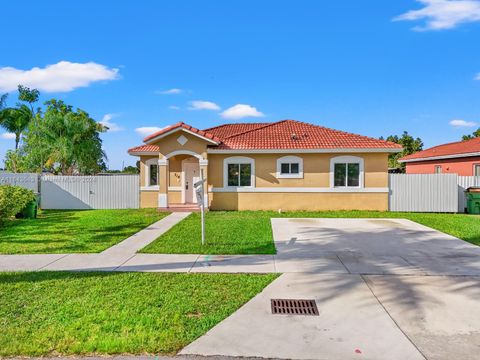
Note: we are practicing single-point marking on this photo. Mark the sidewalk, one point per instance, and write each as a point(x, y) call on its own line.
point(109, 260)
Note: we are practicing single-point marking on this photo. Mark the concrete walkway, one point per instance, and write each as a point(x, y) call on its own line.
point(144, 237)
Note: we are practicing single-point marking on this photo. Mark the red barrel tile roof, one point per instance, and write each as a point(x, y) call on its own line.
point(285, 134)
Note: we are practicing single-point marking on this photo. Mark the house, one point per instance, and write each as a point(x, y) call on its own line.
point(461, 157)
point(284, 165)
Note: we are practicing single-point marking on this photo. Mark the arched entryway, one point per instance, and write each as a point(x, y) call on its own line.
point(183, 171)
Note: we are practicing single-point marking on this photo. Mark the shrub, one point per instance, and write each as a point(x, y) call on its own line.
point(13, 199)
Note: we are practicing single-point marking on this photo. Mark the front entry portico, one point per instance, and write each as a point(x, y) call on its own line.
point(179, 172)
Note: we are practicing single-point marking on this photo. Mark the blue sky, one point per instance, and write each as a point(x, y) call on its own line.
point(372, 67)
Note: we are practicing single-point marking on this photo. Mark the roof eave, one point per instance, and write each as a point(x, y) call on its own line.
point(440, 157)
point(174, 130)
point(140, 153)
point(305, 151)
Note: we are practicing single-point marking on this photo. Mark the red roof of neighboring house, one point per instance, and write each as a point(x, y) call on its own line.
point(446, 150)
point(285, 134)
point(183, 126)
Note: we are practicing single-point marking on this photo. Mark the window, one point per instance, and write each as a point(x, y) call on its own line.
point(151, 174)
point(153, 179)
point(238, 172)
point(346, 171)
point(438, 169)
point(290, 167)
point(476, 170)
point(347, 174)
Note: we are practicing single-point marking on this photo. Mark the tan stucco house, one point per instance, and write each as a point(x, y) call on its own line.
point(284, 165)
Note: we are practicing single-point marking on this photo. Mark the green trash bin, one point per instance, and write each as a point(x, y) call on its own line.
point(473, 200)
point(30, 211)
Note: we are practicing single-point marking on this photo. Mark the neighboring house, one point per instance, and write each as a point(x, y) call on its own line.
point(462, 158)
point(285, 165)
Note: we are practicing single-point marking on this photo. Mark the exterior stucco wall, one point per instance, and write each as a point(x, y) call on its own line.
point(460, 166)
point(298, 201)
point(143, 159)
point(316, 170)
point(148, 199)
point(174, 197)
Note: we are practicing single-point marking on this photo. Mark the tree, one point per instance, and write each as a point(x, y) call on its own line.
point(474, 135)
point(3, 101)
point(28, 95)
point(16, 119)
point(130, 170)
point(15, 161)
point(410, 145)
point(65, 141)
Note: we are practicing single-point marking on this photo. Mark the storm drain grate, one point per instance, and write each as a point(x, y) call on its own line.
point(294, 307)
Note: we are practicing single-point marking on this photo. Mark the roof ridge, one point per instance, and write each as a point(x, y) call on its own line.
point(237, 123)
point(256, 129)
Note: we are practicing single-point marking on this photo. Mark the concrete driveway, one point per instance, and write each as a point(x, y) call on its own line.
point(385, 289)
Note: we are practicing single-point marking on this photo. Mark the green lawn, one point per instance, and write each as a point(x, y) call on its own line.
point(249, 232)
point(227, 232)
point(53, 313)
point(84, 231)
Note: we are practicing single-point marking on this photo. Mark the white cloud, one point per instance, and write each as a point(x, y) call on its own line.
point(173, 107)
point(203, 105)
point(462, 123)
point(7, 136)
point(106, 121)
point(63, 76)
point(148, 130)
point(240, 111)
point(443, 14)
point(477, 77)
point(173, 91)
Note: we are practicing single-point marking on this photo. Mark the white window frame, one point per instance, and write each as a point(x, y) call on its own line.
point(147, 186)
point(347, 159)
point(289, 159)
point(238, 160)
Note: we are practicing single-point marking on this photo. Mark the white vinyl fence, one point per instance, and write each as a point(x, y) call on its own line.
point(429, 192)
point(80, 192)
point(90, 192)
point(408, 192)
point(423, 192)
point(29, 181)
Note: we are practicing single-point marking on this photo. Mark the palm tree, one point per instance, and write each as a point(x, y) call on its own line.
point(16, 120)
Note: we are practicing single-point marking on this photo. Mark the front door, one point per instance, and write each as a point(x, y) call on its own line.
point(191, 172)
